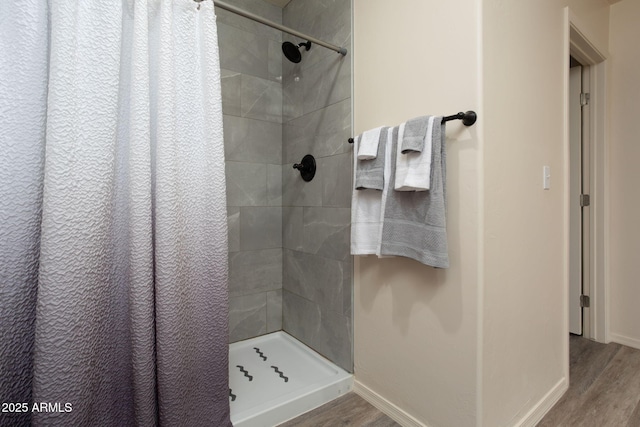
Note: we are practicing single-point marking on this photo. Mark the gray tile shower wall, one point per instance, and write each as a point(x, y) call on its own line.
point(317, 266)
point(289, 260)
point(251, 72)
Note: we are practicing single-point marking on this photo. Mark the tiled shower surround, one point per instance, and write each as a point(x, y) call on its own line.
point(289, 259)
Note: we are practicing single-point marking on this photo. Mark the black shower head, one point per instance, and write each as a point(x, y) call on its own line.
point(292, 52)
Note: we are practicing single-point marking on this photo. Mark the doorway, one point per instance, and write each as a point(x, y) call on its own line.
point(579, 199)
point(593, 171)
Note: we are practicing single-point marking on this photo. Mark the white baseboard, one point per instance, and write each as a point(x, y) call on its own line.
point(536, 413)
point(391, 410)
point(621, 339)
point(530, 419)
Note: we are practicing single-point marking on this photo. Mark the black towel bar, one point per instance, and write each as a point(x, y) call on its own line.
point(468, 119)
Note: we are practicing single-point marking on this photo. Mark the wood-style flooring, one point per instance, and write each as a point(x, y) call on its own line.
point(348, 410)
point(604, 387)
point(604, 391)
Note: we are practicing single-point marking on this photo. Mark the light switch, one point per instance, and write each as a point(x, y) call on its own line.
point(546, 177)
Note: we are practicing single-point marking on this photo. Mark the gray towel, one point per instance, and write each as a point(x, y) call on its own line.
point(415, 131)
point(370, 172)
point(414, 223)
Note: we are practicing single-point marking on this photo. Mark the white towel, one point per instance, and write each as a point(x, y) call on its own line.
point(369, 141)
point(366, 214)
point(413, 170)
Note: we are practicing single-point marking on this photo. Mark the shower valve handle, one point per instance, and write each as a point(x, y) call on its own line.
point(307, 167)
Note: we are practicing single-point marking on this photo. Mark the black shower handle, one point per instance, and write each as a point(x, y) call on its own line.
point(307, 167)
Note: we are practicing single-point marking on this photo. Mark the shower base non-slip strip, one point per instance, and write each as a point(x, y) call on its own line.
point(274, 378)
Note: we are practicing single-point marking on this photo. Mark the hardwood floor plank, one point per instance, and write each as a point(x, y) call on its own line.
point(634, 420)
point(604, 387)
point(613, 397)
point(348, 410)
point(587, 361)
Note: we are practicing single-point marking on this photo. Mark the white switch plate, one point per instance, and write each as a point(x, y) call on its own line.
point(546, 177)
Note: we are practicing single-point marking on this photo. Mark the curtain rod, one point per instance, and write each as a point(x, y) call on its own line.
point(233, 9)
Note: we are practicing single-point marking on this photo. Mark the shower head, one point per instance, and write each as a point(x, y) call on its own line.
point(292, 52)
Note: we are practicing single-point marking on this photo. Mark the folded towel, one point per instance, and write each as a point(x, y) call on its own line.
point(366, 211)
point(413, 170)
point(369, 142)
point(415, 132)
point(370, 173)
point(389, 149)
point(414, 223)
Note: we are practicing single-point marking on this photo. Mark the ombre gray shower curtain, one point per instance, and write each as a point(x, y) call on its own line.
point(113, 239)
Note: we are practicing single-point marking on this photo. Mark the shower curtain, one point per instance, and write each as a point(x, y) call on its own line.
point(113, 239)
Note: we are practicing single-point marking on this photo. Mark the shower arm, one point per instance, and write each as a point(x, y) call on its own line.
point(233, 9)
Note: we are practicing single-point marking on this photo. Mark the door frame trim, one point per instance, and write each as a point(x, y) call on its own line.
point(581, 46)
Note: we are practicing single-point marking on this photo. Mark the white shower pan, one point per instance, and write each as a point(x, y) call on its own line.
point(274, 378)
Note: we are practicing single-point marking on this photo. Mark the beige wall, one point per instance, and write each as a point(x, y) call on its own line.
point(483, 342)
point(525, 313)
point(624, 173)
point(524, 310)
point(594, 14)
point(523, 340)
point(416, 328)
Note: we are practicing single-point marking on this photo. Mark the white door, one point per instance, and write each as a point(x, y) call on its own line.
point(579, 215)
point(575, 189)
